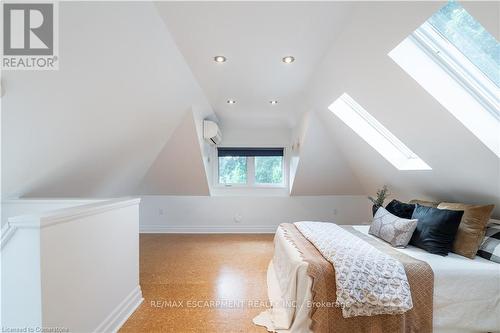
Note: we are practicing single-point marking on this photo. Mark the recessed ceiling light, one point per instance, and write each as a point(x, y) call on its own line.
point(288, 59)
point(231, 101)
point(220, 58)
point(273, 102)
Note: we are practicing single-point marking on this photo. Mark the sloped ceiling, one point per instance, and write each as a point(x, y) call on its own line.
point(95, 127)
point(101, 125)
point(463, 169)
point(322, 168)
point(178, 169)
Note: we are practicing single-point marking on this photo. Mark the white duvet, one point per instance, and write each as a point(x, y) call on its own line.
point(466, 292)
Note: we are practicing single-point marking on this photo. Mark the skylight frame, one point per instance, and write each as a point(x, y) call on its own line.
point(449, 76)
point(376, 134)
point(461, 68)
point(468, 36)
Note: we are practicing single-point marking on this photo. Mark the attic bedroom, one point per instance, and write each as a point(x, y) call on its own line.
point(234, 166)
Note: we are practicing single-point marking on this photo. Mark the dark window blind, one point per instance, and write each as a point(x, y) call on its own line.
point(225, 151)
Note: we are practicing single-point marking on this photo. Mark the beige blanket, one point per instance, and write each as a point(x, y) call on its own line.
point(326, 317)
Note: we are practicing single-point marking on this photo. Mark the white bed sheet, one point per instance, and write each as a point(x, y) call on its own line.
point(466, 292)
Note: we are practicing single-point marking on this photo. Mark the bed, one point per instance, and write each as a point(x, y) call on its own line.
point(466, 292)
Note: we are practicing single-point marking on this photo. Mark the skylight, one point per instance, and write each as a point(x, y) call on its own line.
point(458, 62)
point(376, 135)
point(470, 38)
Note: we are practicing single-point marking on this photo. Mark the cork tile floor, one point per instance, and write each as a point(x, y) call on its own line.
point(201, 283)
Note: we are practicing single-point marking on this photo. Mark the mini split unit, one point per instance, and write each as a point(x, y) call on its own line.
point(211, 132)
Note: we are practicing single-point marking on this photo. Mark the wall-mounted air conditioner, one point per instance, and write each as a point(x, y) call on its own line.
point(211, 132)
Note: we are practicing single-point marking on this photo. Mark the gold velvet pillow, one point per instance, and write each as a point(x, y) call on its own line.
point(424, 203)
point(472, 227)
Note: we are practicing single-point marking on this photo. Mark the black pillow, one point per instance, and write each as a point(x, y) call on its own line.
point(436, 228)
point(400, 209)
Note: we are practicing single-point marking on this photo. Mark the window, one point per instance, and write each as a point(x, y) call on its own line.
point(251, 166)
point(376, 135)
point(470, 38)
point(269, 169)
point(232, 170)
point(458, 62)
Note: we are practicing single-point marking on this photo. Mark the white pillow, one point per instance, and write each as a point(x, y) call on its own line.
point(493, 221)
point(391, 228)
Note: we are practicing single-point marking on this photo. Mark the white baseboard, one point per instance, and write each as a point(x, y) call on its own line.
point(120, 314)
point(199, 229)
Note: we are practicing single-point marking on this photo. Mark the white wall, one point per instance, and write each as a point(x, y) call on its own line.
point(257, 209)
point(97, 127)
point(11, 208)
point(240, 133)
point(20, 294)
point(255, 214)
point(199, 116)
point(76, 268)
point(297, 140)
point(179, 168)
point(463, 169)
point(322, 169)
point(94, 127)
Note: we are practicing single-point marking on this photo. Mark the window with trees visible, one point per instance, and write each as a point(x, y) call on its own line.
point(250, 166)
point(455, 24)
point(457, 61)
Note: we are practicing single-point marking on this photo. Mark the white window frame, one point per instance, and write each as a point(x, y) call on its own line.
point(454, 81)
point(251, 183)
point(431, 41)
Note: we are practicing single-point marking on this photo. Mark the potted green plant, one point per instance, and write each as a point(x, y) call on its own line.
point(378, 201)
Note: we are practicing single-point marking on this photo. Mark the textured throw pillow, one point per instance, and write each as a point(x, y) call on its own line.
point(394, 230)
point(424, 203)
point(472, 227)
point(436, 229)
point(493, 221)
point(490, 247)
point(400, 209)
